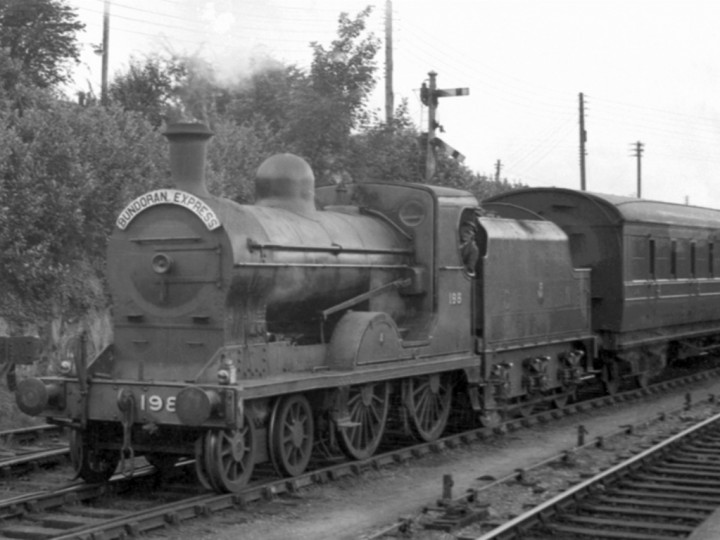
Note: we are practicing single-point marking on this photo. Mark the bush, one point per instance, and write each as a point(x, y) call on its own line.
point(65, 173)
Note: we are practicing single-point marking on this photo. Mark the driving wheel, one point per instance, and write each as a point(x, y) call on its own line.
point(368, 406)
point(428, 401)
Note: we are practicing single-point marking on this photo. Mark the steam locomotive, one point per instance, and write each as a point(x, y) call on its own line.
point(320, 319)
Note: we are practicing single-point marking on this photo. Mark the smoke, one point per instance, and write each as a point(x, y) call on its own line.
point(239, 44)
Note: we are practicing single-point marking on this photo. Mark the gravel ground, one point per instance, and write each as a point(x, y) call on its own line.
point(355, 508)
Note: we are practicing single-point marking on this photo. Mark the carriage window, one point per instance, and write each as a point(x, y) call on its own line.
point(673, 258)
point(651, 258)
point(692, 260)
point(711, 257)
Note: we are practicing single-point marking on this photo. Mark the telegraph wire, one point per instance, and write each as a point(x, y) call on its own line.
point(653, 120)
point(538, 153)
point(200, 25)
point(272, 19)
point(653, 110)
point(465, 72)
point(641, 126)
point(494, 84)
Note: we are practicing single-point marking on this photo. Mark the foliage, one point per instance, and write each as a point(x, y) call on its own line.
point(452, 173)
point(332, 104)
point(389, 153)
point(148, 87)
point(277, 108)
point(267, 94)
point(396, 153)
point(234, 155)
point(64, 174)
point(66, 171)
point(17, 92)
point(41, 37)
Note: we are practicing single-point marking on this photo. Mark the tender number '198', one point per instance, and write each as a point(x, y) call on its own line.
point(155, 403)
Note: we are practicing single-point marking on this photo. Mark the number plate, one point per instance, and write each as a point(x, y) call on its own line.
point(156, 403)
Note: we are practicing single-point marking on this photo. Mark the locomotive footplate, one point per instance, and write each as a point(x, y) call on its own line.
point(221, 406)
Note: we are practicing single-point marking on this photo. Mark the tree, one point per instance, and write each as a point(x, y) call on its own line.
point(148, 87)
point(65, 173)
point(384, 152)
point(332, 102)
point(267, 93)
point(345, 71)
point(41, 36)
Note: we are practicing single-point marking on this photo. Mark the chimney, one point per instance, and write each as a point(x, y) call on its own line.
point(188, 148)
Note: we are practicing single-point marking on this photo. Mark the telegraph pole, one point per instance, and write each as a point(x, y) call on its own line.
point(583, 140)
point(105, 47)
point(498, 167)
point(639, 148)
point(389, 96)
point(429, 94)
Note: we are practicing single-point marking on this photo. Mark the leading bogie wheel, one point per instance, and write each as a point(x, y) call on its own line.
point(230, 457)
point(368, 406)
point(291, 435)
point(428, 402)
point(203, 475)
point(90, 464)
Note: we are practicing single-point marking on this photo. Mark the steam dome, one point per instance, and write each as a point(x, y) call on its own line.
point(286, 181)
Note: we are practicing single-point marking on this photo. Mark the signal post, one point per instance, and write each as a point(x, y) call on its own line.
point(429, 94)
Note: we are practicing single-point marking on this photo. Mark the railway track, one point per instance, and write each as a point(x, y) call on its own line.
point(30, 447)
point(666, 491)
point(86, 511)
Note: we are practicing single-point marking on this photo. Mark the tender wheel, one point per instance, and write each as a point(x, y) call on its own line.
point(526, 410)
point(230, 457)
point(642, 379)
point(428, 405)
point(612, 387)
point(560, 401)
point(368, 409)
point(611, 378)
point(91, 465)
point(291, 435)
point(490, 419)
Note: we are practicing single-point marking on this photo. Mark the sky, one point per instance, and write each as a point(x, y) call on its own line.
point(649, 71)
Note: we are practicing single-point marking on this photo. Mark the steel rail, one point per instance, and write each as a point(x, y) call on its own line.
point(545, 416)
point(203, 505)
point(518, 526)
point(32, 457)
point(29, 431)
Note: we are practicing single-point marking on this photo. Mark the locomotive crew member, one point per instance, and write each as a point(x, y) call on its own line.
point(469, 250)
